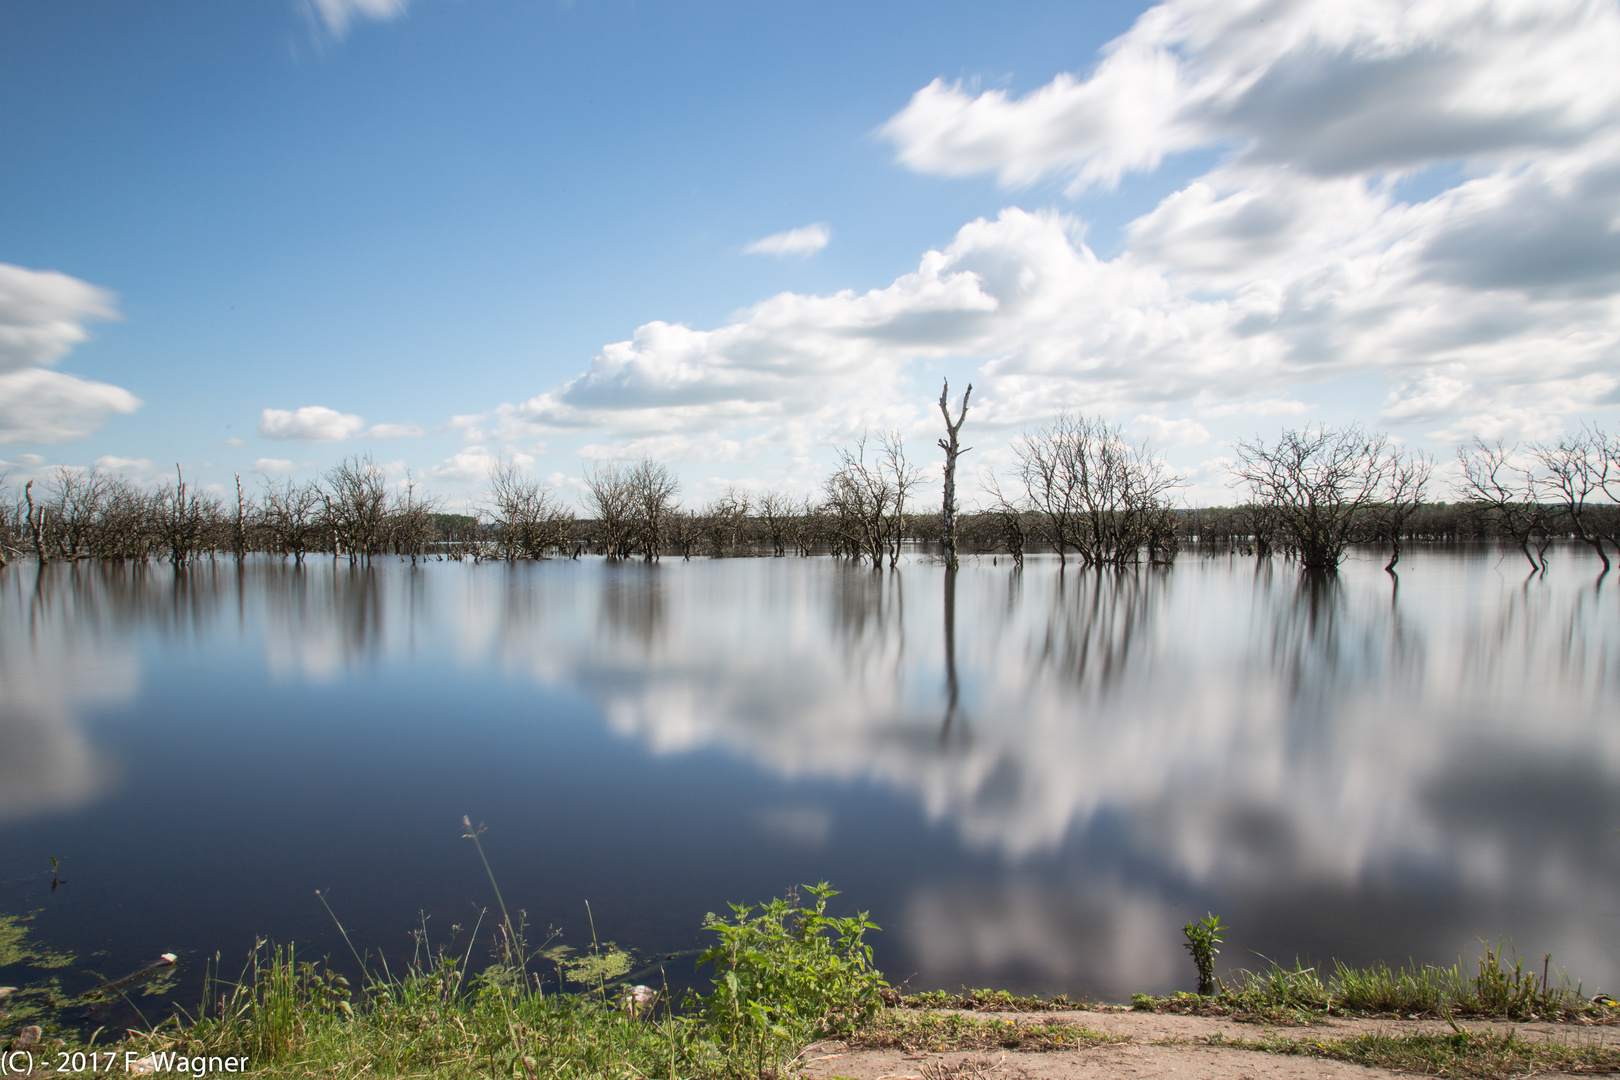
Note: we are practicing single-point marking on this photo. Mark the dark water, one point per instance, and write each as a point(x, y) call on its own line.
point(1037, 801)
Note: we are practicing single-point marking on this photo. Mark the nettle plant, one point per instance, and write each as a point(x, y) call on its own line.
point(787, 971)
point(1202, 937)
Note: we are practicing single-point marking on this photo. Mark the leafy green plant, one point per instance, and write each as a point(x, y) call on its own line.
point(786, 972)
point(1202, 937)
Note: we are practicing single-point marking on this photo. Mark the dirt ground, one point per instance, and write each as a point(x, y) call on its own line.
point(1157, 1045)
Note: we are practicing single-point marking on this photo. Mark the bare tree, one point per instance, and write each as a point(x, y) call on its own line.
point(1009, 514)
point(356, 497)
point(291, 517)
point(1407, 478)
point(239, 523)
point(776, 510)
point(866, 499)
point(1507, 493)
point(724, 519)
point(1318, 480)
point(953, 450)
point(528, 521)
point(410, 520)
point(1575, 470)
point(185, 517)
point(36, 523)
point(1095, 494)
point(653, 488)
point(77, 499)
point(612, 503)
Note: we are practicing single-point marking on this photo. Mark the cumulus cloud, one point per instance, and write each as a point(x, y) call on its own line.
point(392, 431)
point(805, 240)
point(43, 315)
point(1162, 431)
point(1293, 260)
point(472, 464)
point(312, 423)
point(272, 466)
point(38, 405)
point(1325, 88)
point(338, 15)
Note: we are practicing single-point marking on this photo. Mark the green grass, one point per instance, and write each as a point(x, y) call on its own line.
point(784, 974)
point(1494, 991)
point(1458, 1053)
point(942, 1031)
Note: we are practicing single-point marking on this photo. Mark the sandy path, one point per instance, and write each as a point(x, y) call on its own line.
point(1159, 1045)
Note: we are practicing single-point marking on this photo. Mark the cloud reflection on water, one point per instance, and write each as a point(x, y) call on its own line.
point(1412, 767)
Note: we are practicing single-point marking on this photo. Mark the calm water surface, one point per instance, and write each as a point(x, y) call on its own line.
point(1031, 780)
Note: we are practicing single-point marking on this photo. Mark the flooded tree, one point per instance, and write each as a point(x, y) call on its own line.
point(1407, 478)
point(653, 488)
point(953, 450)
point(185, 516)
point(1504, 490)
point(356, 498)
point(866, 500)
point(1092, 493)
point(528, 521)
point(608, 493)
point(1574, 473)
point(291, 518)
point(1318, 481)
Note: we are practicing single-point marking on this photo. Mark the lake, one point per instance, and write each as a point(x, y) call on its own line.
point(1031, 778)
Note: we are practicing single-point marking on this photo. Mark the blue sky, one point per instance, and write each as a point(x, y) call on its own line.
point(259, 237)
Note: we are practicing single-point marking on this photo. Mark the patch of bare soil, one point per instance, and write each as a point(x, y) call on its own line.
point(1138, 1045)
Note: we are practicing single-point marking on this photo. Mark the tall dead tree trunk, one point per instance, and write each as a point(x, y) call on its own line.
point(953, 450)
point(36, 522)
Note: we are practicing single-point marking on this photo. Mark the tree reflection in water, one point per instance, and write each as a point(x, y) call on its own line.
point(1330, 764)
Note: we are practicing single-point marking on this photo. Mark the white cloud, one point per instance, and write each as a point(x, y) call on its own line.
point(1264, 407)
point(1162, 432)
point(471, 464)
point(142, 470)
point(38, 405)
point(1295, 260)
point(1330, 88)
point(337, 15)
point(392, 431)
point(42, 316)
point(805, 240)
point(312, 423)
point(272, 466)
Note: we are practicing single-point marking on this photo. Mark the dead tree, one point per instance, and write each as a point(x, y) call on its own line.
point(608, 489)
point(776, 511)
point(528, 521)
point(1575, 469)
point(1319, 481)
point(36, 523)
point(356, 497)
point(653, 488)
point(186, 518)
point(1009, 515)
point(866, 500)
point(949, 444)
point(1508, 494)
point(1408, 477)
point(1093, 493)
point(239, 523)
point(723, 521)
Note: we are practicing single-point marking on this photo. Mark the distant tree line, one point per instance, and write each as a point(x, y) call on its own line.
point(1077, 487)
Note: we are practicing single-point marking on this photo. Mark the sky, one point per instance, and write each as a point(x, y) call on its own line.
point(262, 237)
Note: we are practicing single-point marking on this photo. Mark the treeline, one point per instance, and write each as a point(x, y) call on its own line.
point(1078, 488)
